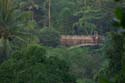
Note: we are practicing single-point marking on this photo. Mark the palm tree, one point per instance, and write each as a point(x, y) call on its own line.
point(13, 23)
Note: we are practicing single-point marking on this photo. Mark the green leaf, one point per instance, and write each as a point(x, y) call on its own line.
point(103, 80)
point(116, 23)
point(119, 13)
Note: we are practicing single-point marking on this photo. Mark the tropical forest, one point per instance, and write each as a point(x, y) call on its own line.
point(62, 41)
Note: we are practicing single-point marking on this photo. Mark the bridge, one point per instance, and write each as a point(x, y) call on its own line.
point(81, 41)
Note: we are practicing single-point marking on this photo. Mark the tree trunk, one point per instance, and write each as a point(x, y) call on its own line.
point(49, 12)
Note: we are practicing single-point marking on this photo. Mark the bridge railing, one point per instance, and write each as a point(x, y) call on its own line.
point(75, 40)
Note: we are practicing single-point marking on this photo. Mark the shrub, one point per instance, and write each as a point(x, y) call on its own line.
point(32, 66)
point(49, 37)
point(83, 64)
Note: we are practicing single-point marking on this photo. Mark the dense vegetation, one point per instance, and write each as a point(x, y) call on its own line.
point(31, 65)
point(30, 48)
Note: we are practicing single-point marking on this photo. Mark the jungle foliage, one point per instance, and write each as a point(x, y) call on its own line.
point(30, 48)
